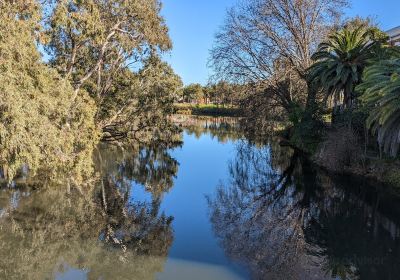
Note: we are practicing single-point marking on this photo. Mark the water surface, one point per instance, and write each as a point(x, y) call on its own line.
point(216, 207)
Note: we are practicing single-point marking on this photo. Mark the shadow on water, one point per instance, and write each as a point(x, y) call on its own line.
point(285, 219)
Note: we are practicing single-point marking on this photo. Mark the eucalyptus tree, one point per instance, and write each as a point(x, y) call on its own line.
point(95, 39)
point(223, 92)
point(40, 124)
point(138, 104)
point(269, 44)
point(53, 115)
point(105, 47)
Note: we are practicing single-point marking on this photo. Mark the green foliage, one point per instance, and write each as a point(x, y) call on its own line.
point(223, 92)
point(110, 49)
point(307, 133)
point(193, 93)
point(340, 62)
point(88, 37)
point(368, 24)
point(41, 126)
point(360, 54)
point(138, 105)
point(51, 117)
point(296, 113)
point(381, 93)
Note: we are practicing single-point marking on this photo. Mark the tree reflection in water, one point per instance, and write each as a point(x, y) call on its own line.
point(98, 230)
point(284, 219)
point(224, 129)
point(151, 166)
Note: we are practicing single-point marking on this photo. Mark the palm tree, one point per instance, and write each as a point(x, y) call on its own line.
point(381, 92)
point(340, 62)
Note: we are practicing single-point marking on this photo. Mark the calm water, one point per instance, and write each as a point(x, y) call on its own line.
point(216, 207)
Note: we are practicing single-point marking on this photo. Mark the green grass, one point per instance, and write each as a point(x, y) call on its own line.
point(206, 110)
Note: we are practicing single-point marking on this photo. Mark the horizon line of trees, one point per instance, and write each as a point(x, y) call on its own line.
point(220, 93)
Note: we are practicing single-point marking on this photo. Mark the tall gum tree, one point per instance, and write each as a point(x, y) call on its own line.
point(94, 38)
point(104, 47)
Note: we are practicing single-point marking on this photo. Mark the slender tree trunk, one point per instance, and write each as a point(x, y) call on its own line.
point(5, 172)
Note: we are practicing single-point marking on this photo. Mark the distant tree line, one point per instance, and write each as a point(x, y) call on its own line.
point(221, 93)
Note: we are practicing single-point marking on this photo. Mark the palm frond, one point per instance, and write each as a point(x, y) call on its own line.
point(381, 90)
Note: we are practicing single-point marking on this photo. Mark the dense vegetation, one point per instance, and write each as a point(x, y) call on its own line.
point(74, 73)
point(103, 80)
point(43, 124)
point(334, 83)
point(77, 73)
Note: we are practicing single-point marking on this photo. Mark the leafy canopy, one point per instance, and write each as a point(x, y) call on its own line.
point(40, 124)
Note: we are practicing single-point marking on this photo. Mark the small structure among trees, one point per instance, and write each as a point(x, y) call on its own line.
point(394, 35)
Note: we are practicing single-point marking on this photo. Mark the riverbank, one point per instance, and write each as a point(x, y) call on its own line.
point(206, 110)
point(379, 171)
point(341, 155)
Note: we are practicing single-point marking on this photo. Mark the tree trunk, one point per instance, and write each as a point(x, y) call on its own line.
point(5, 172)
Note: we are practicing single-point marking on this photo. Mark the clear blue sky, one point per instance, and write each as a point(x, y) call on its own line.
point(193, 24)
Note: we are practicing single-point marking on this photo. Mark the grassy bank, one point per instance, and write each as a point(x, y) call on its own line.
point(206, 110)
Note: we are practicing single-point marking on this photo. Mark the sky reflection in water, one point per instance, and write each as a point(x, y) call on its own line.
point(215, 208)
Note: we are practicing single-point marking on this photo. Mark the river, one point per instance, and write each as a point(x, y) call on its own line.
point(218, 206)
